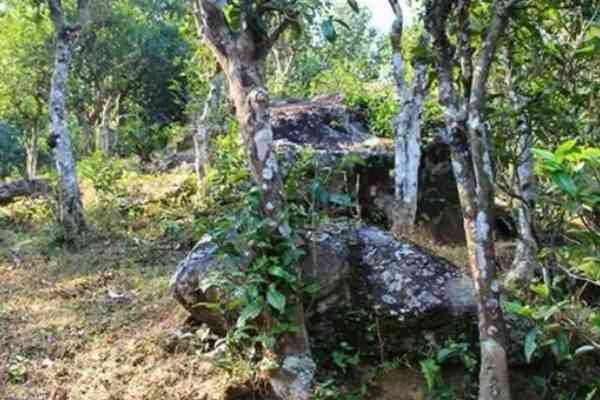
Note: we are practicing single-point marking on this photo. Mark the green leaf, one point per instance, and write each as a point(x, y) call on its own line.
point(531, 344)
point(565, 183)
point(250, 312)
point(232, 13)
point(545, 312)
point(566, 148)
point(279, 272)
point(544, 155)
point(595, 319)
point(591, 395)
point(342, 200)
point(276, 299)
point(541, 290)
point(518, 309)
point(513, 307)
point(342, 23)
point(431, 370)
point(560, 348)
point(444, 354)
point(312, 289)
point(328, 30)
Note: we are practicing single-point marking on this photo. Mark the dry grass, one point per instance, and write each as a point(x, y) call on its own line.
point(90, 323)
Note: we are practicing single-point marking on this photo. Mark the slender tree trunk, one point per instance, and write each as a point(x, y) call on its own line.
point(32, 153)
point(205, 123)
point(71, 209)
point(469, 140)
point(493, 376)
point(407, 131)
point(293, 380)
point(104, 131)
point(251, 99)
point(525, 262)
point(241, 57)
point(87, 129)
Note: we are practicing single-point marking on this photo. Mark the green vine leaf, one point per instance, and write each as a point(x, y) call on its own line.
point(531, 344)
point(276, 299)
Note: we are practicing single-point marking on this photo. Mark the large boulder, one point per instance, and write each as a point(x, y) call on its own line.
point(357, 268)
point(356, 162)
point(323, 124)
point(335, 134)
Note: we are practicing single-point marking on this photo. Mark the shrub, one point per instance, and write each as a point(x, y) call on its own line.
point(375, 100)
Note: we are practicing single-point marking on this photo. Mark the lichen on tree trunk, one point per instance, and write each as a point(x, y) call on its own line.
point(71, 209)
point(241, 56)
point(525, 261)
point(407, 129)
point(469, 140)
point(205, 123)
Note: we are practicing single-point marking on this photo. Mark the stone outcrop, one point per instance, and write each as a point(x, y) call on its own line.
point(358, 268)
point(359, 163)
point(375, 292)
point(322, 124)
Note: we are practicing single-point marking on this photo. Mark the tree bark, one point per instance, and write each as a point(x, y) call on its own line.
point(70, 208)
point(525, 262)
point(205, 124)
point(10, 191)
point(241, 56)
point(32, 153)
point(469, 141)
point(104, 133)
point(407, 130)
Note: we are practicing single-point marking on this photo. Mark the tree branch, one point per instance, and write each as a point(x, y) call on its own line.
point(465, 51)
point(436, 15)
point(56, 15)
point(500, 17)
point(397, 26)
point(214, 27)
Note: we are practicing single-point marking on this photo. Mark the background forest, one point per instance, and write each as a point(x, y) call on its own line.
point(310, 187)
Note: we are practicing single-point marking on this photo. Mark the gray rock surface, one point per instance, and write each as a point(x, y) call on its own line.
point(357, 267)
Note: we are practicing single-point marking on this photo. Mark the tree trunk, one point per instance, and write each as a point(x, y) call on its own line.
point(493, 375)
point(86, 128)
point(205, 123)
point(251, 99)
point(32, 154)
point(71, 209)
point(407, 131)
point(10, 191)
point(469, 140)
point(104, 132)
point(293, 380)
point(241, 57)
point(525, 262)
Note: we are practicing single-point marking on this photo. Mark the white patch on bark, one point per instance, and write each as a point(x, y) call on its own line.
point(263, 141)
point(71, 207)
point(482, 227)
point(407, 143)
point(267, 174)
point(205, 123)
point(495, 286)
